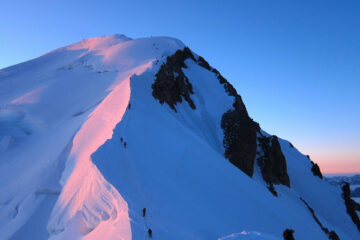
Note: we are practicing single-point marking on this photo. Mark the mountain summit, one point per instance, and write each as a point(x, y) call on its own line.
point(120, 138)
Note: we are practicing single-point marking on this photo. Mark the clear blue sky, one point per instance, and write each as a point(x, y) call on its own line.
point(296, 64)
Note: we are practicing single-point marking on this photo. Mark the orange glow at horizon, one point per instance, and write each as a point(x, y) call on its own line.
point(332, 162)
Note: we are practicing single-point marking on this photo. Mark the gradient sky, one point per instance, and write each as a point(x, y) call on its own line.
point(296, 64)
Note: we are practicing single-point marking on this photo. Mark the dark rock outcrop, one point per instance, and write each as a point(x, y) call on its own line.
point(240, 139)
point(171, 85)
point(272, 162)
point(239, 129)
point(316, 170)
point(288, 234)
point(203, 63)
point(350, 205)
point(331, 234)
point(272, 189)
point(239, 132)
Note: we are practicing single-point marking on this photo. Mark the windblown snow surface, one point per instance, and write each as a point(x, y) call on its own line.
point(84, 147)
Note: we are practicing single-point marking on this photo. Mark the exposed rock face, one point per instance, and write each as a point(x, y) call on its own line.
point(316, 170)
point(171, 85)
point(239, 129)
point(240, 138)
point(331, 234)
point(288, 234)
point(350, 204)
point(272, 162)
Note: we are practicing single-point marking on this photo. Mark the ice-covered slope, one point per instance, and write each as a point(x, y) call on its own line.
point(93, 133)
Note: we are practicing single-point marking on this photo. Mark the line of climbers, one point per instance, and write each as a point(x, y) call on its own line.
point(121, 140)
point(149, 230)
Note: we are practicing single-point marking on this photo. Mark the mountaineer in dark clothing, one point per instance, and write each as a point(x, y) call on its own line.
point(288, 234)
point(150, 233)
point(144, 212)
point(124, 144)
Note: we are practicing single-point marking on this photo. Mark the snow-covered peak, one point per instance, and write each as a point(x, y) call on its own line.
point(114, 52)
point(68, 101)
point(99, 42)
point(119, 138)
point(117, 50)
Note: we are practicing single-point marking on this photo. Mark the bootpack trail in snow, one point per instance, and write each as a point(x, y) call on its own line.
point(94, 132)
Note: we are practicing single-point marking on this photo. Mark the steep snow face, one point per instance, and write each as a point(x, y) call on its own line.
point(173, 165)
point(86, 149)
point(55, 111)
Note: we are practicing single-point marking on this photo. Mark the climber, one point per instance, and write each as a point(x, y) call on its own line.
point(150, 233)
point(124, 144)
point(289, 234)
point(144, 212)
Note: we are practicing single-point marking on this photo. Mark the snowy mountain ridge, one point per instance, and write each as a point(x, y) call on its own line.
point(93, 133)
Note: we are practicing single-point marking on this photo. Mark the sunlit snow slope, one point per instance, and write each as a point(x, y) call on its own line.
point(85, 146)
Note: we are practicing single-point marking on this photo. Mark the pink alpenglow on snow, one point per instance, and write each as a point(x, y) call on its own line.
point(83, 93)
point(87, 148)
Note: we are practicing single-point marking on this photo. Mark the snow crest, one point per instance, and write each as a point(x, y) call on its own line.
point(72, 100)
point(85, 147)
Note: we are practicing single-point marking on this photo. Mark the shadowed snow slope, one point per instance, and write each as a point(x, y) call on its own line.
point(84, 147)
